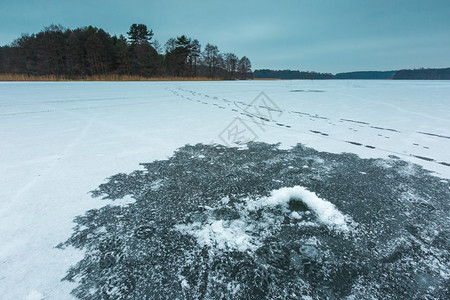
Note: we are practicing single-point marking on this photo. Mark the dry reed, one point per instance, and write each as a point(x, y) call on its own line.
point(108, 77)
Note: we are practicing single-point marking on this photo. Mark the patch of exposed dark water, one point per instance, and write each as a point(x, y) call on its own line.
point(397, 245)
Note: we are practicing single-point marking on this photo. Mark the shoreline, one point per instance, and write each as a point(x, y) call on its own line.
point(43, 78)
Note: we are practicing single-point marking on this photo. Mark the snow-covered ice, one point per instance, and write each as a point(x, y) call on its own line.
point(61, 140)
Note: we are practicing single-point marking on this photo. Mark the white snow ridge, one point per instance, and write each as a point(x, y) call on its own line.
point(246, 234)
point(325, 211)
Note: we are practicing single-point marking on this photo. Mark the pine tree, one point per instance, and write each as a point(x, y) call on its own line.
point(139, 34)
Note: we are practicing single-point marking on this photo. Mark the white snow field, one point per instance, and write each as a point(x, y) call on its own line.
point(59, 141)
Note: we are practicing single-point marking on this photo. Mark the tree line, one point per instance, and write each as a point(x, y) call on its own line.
point(91, 51)
point(290, 74)
point(365, 75)
point(420, 74)
point(423, 74)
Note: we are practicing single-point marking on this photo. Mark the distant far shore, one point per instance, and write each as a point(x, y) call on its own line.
point(416, 74)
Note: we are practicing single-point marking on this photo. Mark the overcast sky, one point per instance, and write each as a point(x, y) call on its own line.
point(310, 35)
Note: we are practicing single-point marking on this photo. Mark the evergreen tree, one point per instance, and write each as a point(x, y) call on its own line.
point(139, 34)
point(122, 57)
point(177, 56)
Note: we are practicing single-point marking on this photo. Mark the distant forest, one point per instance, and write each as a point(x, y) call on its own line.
point(289, 74)
point(90, 51)
point(366, 75)
point(437, 74)
point(421, 74)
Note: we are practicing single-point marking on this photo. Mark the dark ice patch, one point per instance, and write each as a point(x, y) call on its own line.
point(398, 247)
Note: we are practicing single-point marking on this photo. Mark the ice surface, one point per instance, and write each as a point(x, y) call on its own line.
point(230, 226)
point(61, 140)
point(34, 295)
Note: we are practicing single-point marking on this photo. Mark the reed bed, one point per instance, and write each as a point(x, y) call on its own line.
point(108, 77)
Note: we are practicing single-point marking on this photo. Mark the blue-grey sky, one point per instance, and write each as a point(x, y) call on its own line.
point(315, 35)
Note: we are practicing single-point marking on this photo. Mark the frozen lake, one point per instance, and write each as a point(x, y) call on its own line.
point(62, 140)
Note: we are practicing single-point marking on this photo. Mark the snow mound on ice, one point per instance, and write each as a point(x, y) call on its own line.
point(325, 211)
point(245, 233)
